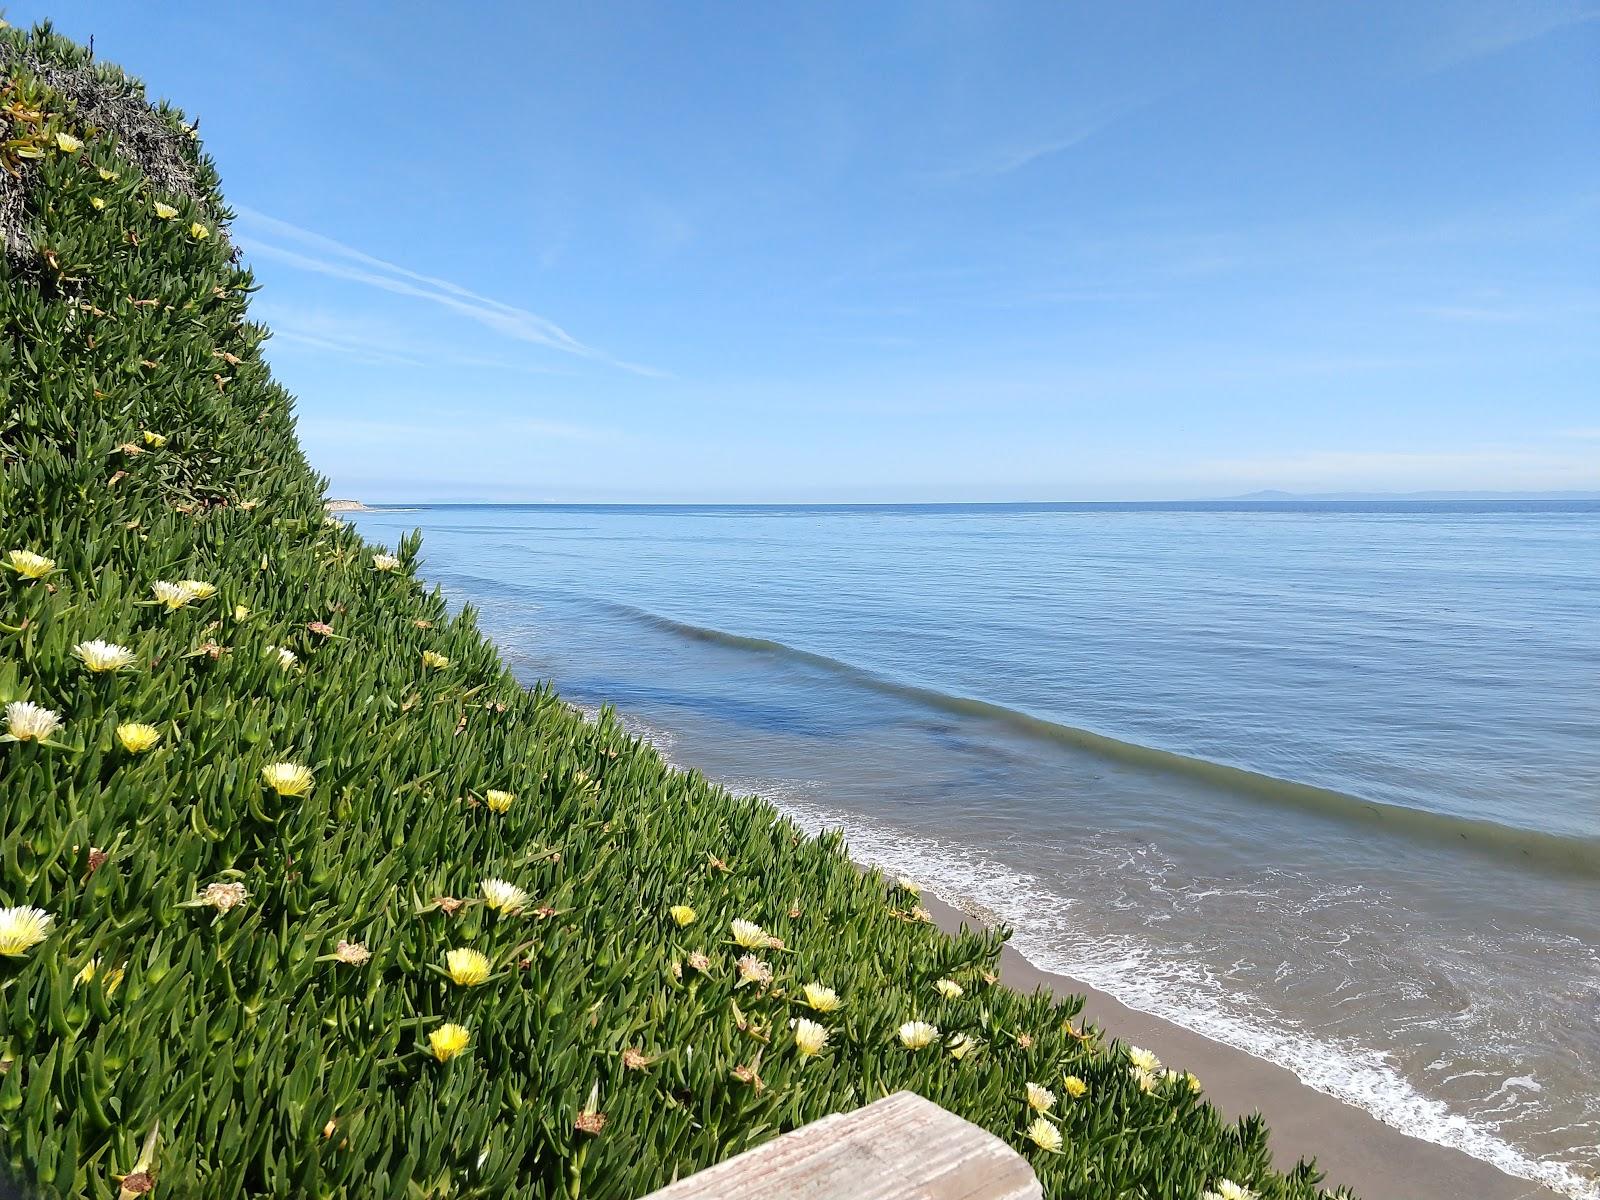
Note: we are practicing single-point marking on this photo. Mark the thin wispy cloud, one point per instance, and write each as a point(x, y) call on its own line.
point(368, 342)
point(1496, 28)
point(1007, 157)
point(307, 250)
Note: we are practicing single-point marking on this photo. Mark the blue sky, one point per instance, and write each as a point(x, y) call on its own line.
point(909, 251)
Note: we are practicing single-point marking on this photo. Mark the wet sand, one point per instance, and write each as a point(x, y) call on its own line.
point(1353, 1149)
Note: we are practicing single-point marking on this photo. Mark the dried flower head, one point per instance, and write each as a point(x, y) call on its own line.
point(224, 896)
point(589, 1122)
point(320, 628)
point(698, 961)
point(635, 1060)
point(22, 928)
point(747, 1074)
point(30, 722)
point(100, 656)
point(353, 953)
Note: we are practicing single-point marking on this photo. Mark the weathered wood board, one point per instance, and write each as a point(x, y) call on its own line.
point(899, 1148)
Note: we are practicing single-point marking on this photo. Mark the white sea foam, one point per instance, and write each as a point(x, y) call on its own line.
point(1185, 993)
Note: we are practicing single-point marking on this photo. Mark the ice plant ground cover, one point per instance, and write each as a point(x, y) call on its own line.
point(367, 918)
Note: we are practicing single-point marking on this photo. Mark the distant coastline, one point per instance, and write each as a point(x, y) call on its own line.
point(1271, 495)
point(338, 506)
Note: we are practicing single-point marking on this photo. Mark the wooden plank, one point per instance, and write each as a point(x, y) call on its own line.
point(899, 1148)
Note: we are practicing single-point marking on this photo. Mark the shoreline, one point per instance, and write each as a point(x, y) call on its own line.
point(1353, 1148)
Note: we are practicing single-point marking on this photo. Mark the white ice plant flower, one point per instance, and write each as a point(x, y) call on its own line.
point(30, 722)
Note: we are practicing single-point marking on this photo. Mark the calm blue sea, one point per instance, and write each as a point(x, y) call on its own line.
point(1321, 780)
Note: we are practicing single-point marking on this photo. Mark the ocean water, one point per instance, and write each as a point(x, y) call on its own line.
point(1319, 780)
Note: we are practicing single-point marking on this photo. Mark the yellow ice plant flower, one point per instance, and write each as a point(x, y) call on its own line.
point(165, 211)
point(68, 144)
point(1074, 1087)
point(749, 935)
point(466, 968)
point(199, 232)
point(961, 1045)
point(1040, 1098)
point(448, 1040)
point(1227, 1189)
point(432, 658)
point(683, 914)
point(287, 778)
point(100, 656)
point(950, 989)
point(499, 801)
point(914, 1035)
point(1193, 1081)
point(906, 884)
point(152, 438)
point(136, 737)
point(503, 897)
point(1143, 1059)
point(22, 928)
point(823, 999)
point(1044, 1135)
point(96, 202)
point(30, 722)
point(1146, 1080)
point(198, 589)
point(241, 612)
point(809, 1037)
point(108, 176)
point(30, 565)
point(91, 970)
point(286, 658)
point(384, 562)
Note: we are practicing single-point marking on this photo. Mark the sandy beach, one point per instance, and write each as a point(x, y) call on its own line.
point(1354, 1149)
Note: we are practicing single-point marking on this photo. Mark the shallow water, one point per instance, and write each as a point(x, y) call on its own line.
point(1319, 780)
